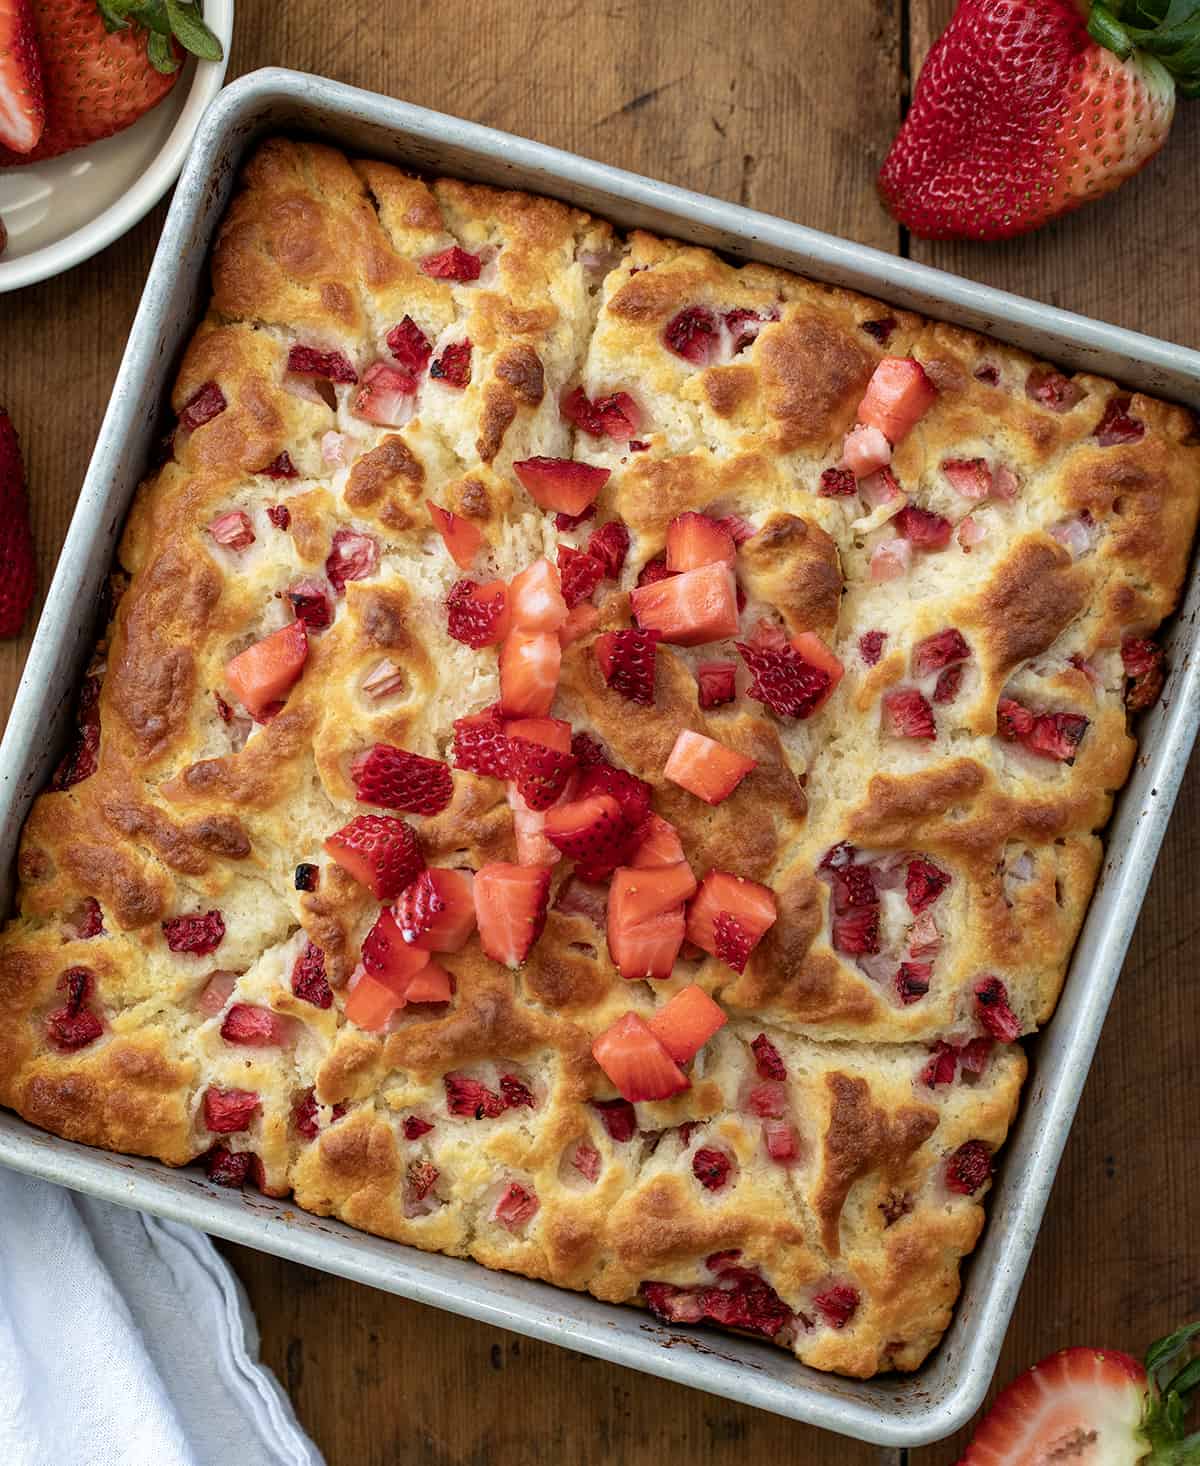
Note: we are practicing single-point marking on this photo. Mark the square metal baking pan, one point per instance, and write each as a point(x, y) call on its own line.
point(896, 1410)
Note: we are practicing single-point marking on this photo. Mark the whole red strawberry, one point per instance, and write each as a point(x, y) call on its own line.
point(1026, 109)
point(17, 564)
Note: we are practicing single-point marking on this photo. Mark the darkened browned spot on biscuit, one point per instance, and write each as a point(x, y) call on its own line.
point(34, 864)
point(793, 565)
point(497, 415)
point(729, 388)
point(107, 872)
point(389, 467)
point(521, 368)
point(897, 807)
point(360, 1149)
point(337, 301)
point(1034, 593)
point(813, 375)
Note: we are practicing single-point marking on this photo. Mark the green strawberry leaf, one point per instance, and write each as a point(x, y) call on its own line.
point(1166, 29)
point(161, 54)
point(1163, 1353)
point(191, 32)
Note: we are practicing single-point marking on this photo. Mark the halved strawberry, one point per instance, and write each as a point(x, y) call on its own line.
point(689, 609)
point(783, 677)
point(386, 395)
point(865, 451)
point(658, 844)
point(561, 484)
point(706, 768)
point(266, 671)
point(579, 575)
point(462, 538)
point(370, 1001)
point(256, 1027)
point(610, 544)
point(397, 779)
point(717, 683)
point(510, 906)
point(636, 1062)
point(436, 912)
point(481, 744)
point(478, 615)
point(410, 346)
point(539, 772)
point(22, 91)
point(535, 598)
point(922, 528)
point(452, 264)
point(694, 540)
point(581, 621)
point(627, 661)
point(898, 395)
point(379, 851)
point(686, 1023)
point(232, 530)
point(905, 713)
point(616, 416)
point(593, 832)
point(530, 663)
point(750, 904)
point(388, 957)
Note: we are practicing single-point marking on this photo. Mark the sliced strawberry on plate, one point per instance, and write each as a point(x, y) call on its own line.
point(636, 1062)
point(694, 540)
point(705, 767)
point(481, 744)
point(905, 713)
point(535, 598)
point(379, 851)
point(750, 904)
point(478, 615)
point(530, 663)
point(561, 484)
point(686, 1023)
point(689, 609)
point(898, 396)
point(462, 538)
point(265, 672)
point(593, 832)
point(627, 660)
point(436, 912)
point(658, 844)
point(579, 574)
point(510, 905)
point(397, 779)
point(717, 683)
point(386, 395)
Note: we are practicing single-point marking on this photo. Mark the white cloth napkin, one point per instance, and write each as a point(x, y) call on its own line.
point(128, 1341)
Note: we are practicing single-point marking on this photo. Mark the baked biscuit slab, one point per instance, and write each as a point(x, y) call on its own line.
point(176, 981)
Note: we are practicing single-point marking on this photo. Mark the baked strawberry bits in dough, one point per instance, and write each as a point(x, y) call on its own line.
point(596, 759)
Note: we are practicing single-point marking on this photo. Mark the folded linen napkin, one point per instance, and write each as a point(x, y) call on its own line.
point(126, 1339)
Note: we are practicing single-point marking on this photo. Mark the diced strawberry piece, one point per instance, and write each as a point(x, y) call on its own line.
point(975, 1054)
point(616, 416)
point(837, 1305)
point(452, 264)
point(552, 733)
point(462, 538)
point(88, 920)
point(630, 792)
point(410, 346)
point(907, 714)
point(468, 1097)
point(784, 678)
point(993, 1011)
point(949, 682)
point(711, 1167)
point(686, 1023)
point(388, 957)
point(310, 603)
point(924, 882)
point(865, 450)
point(767, 1060)
point(586, 1160)
point(588, 752)
point(437, 911)
point(742, 1301)
point(636, 1062)
point(970, 477)
point(856, 934)
point(610, 544)
point(414, 1127)
point(890, 560)
point(881, 329)
point(898, 395)
point(1057, 735)
point(453, 367)
point(309, 982)
point(215, 993)
point(198, 935)
point(717, 683)
point(530, 663)
point(618, 1117)
point(1143, 663)
point(853, 885)
point(267, 671)
point(1117, 426)
point(694, 540)
point(658, 844)
point(255, 1027)
point(74, 1026)
point(478, 615)
point(516, 1094)
point(627, 662)
point(593, 832)
point(940, 650)
point(942, 1067)
point(352, 556)
point(581, 621)
point(1051, 389)
point(738, 528)
point(431, 984)
point(420, 1178)
point(232, 530)
point(510, 906)
point(579, 574)
point(535, 598)
point(692, 334)
point(647, 948)
point(226, 1111)
point(922, 528)
point(331, 366)
point(279, 515)
point(379, 851)
point(540, 773)
point(515, 1207)
point(529, 833)
point(204, 404)
point(814, 651)
point(781, 1140)
point(837, 483)
point(481, 744)
point(398, 779)
point(370, 1001)
point(386, 395)
point(689, 609)
point(912, 981)
point(705, 767)
point(638, 894)
point(734, 943)
point(1013, 721)
point(280, 467)
point(305, 1117)
point(1005, 484)
point(233, 1168)
point(560, 483)
point(970, 533)
point(767, 1100)
point(969, 1168)
point(870, 646)
point(752, 905)
point(654, 570)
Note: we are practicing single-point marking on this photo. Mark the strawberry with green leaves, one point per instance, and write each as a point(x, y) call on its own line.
point(1026, 109)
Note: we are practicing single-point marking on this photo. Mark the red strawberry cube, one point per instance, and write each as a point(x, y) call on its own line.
point(689, 609)
point(437, 911)
point(266, 672)
point(535, 598)
point(386, 395)
point(636, 1062)
point(561, 484)
point(379, 851)
point(898, 396)
point(627, 661)
point(227, 1111)
point(686, 1023)
point(907, 714)
point(753, 906)
point(530, 663)
point(706, 768)
point(694, 540)
point(593, 832)
point(510, 907)
point(256, 1027)
point(462, 538)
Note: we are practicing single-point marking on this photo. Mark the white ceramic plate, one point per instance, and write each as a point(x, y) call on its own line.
point(67, 209)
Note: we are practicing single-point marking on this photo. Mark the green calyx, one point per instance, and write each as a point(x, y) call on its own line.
point(1168, 30)
point(1174, 1374)
point(164, 21)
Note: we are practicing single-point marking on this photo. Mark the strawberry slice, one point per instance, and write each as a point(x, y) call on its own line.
point(686, 1023)
point(792, 682)
point(370, 1001)
point(388, 957)
point(717, 683)
point(452, 264)
point(751, 905)
point(397, 779)
point(256, 1027)
point(228, 1111)
point(905, 713)
point(694, 540)
point(530, 663)
point(924, 882)
point(593, 832)
point(705, 767)
point(689, 609)
point(630, 792)
point(837, 1305)
point(462, 538)
point(912, 981)
point(22, 93)
point(481, 744)
point(943, 649)
point(922, 528)
point(478, 615)
point(616, 416)
point(386, 395)
point(581, 621)
point(636, 1062)
point(510, 906)
point(379, 851)
point(865, 451)
point(767, 1062)
point(658, 844)
point(437, 911)
point(561, 484)
point(898, 396)
point(627, 662)
point(410, 346)
point(539, 772)
point(646, 948)
point(1052, 735)
point(579, 574)
point(610, 544)
point(535, 598)
point(265, 672)
point(232, 530)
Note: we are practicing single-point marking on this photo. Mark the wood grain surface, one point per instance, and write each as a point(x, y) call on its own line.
point(788, 105)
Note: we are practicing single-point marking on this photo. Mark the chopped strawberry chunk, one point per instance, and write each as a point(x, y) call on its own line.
point(410, 346)
point(1052, 390)
point(744, 326)
point(907, 714)
point(782, 1142)
point(420, 1178)
point(233, 1168)
point(636, 1062)
point(430, 984)
point(74, 1026)
point(940, 650)
point(593, 832)
point(310, 603)
point(618, 1117)
point(379, 851)
point(478, 615)
point(586, 1160)
point(88, 920)
point(255, 1027)
point(468, 1097)
point(462, 538)
point(232, 530)
point(627, 662)
point(1143, 662)
point(215, 993)
point(280, 467)
point(616, 416)
point(890, 560)
point(711, 1167)
point(924, 882)
point(267, 671)
point(767, 1060)
point(452, 264)
point(1052, 735)
point(370, 1001)
point(279, 515)
point(792, 682)
point(588, 752)
point(414, 1127)
point(352, 556)
point(942, 1067)
point(386, 395)
point(481, 745)
point(647, 948)
point(198, 935)
point(742, 1300)
point(692, 334)
point(581, 621)
point(517, 1095)
point(552, 733)
point(610, 544)
point(865, 451)
point(706, 768)
point(975, 1054)
point(912, 981)
point(970, 477)
point(630, 792)
point(1013, 721)
point(750, 904)
point(767, 1100)
point(202, 406)
point(560, 483)
point(453, 367)
point(686, 1023)
point(636, 894)
point(969, 1168)
point(515, 1207)
point(694, 540)
point(856, 934)
point(870, 646)
point(881, 329)
point(535, 598)
point(947, 686)
point(993, 1011)
point(309, 982)
point(389, 958)
point(1117, 426)
point(331, 366)
point(226, 1111)
point(529, 669)
point(837, 1305)
point(580, 574)
point(658, 844)
point(922, 528)
point(540, 772)
point(717, 683)
point(689, 609)
point(437, 911)
point(898, 395)
point(654, 570)
point(510, 905)
point(398, 779)
point(837, 483)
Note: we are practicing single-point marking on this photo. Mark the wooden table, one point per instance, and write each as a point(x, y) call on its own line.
point(787, 105)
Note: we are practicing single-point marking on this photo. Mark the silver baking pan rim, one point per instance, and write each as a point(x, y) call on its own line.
point(893, 1410)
